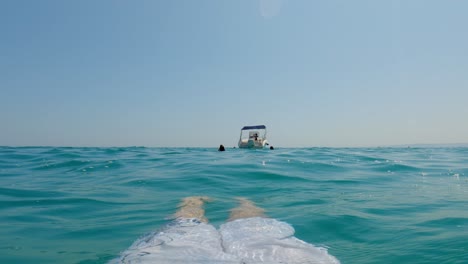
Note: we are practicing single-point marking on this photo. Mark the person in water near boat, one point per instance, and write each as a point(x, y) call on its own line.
point(221, 148)
point(248, 236)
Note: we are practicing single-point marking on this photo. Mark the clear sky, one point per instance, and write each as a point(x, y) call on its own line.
point(192, 72)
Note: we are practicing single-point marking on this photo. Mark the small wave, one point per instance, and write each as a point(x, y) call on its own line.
point(69, 164)
point(446, 222)
point(24, 193)
point(51, 202)
point(394, 167)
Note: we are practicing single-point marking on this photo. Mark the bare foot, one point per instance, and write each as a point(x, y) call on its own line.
point(192, 207)
point(246, 209)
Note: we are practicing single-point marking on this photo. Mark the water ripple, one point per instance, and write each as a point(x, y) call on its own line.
point(366, 205)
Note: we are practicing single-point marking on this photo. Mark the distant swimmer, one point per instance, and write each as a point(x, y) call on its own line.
point(247, 237)
point(271, 147)
point(221, 148)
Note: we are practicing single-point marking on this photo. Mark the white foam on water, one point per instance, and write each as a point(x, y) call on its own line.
point(248, 240)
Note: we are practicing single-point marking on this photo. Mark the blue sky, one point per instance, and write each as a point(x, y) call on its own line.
point(192, 73)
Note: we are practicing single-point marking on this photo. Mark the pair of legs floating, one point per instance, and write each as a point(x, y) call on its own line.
point(247, 237)
point(192, 207)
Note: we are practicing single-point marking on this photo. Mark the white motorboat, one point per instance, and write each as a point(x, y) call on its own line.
point(253, 137)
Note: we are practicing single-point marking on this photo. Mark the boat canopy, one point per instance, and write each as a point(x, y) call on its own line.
point(253, 127)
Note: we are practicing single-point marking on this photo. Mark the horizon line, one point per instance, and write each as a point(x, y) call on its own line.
point(421, 145)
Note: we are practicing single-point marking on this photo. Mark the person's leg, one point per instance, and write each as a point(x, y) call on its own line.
point(246, 209)
point(253, 238)
point(192, 207)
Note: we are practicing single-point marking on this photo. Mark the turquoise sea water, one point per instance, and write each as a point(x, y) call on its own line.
point(366, 205)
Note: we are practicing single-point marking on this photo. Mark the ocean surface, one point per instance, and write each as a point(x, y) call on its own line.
point(366, 205)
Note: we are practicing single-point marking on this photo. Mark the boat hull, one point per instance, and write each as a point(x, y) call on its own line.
point(254, 144)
